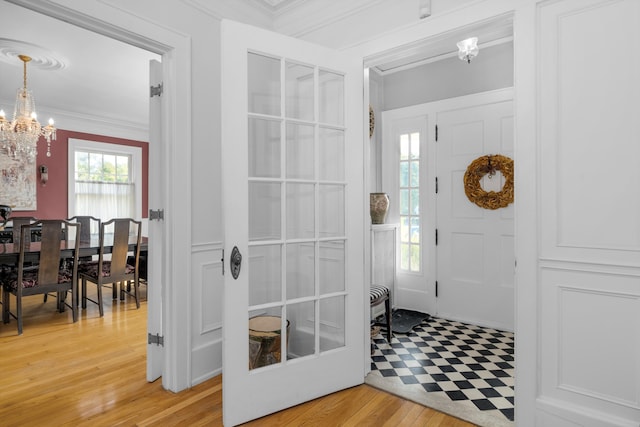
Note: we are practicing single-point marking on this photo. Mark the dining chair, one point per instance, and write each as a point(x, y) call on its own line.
point(51, 274)
point(90, 226)
point(17, 222)
point(114, 237)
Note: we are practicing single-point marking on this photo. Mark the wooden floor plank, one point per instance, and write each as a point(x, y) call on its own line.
point(93, 373)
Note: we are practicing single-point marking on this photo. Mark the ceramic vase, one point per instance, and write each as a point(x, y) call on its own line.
point(379, 205)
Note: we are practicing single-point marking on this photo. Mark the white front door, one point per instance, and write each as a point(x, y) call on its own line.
point(475, 246)
point(155, 353)
point(293, 203)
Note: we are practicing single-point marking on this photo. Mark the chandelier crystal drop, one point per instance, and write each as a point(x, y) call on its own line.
point(20, 136)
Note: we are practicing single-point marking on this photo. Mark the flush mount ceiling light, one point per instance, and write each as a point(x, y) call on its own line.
point(468, 49)
point(20, 136)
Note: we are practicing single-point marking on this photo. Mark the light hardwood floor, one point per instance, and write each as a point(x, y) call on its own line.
point(93, 373)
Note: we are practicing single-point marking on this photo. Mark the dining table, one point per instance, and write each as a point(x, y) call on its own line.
point(10, 252)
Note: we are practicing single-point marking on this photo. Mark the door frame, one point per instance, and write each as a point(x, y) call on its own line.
point(523, 16)
point(176, 61)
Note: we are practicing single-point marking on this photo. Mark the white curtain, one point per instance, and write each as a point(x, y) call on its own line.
point(105, 200)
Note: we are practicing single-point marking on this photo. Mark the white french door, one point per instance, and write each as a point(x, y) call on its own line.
point(293, 198)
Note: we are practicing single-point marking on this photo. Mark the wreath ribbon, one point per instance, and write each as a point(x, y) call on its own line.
point(489, 165)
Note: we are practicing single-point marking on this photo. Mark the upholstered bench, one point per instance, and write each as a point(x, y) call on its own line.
point(377, 295)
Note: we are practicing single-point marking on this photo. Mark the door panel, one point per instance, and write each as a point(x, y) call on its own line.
point(292, 116)
point(475, 252)
point(155, 353)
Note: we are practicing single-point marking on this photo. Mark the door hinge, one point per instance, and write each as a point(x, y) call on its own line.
point(436, 237)
point(155, 90)
point(436, 185)
point(156, 214)
point(222, 261)
point(156, 339)
point(436, 133)
point(436, 289)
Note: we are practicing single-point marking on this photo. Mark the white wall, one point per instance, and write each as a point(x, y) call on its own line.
point(491, 69)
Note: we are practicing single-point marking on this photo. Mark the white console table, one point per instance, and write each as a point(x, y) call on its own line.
point(383, 257)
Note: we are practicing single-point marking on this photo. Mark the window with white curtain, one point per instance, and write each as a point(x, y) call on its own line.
point(105, 180)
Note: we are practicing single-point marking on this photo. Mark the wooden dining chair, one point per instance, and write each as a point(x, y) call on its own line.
point(115, 270)
point(51, 274)
point(90, 226)
point(17, 223)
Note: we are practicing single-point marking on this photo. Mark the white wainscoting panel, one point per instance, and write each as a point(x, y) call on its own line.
point(590, 335)
point(206, 318)
point(589, 135)
point(589, 282)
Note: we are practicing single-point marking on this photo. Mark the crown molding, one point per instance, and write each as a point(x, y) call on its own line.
point(241, 11)
point(312, 15)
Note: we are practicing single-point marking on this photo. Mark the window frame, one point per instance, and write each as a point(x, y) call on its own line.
point(409, 132)
point(106, 148)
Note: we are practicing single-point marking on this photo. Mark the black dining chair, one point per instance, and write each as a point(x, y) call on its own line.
point(52, 273)
point(115, 270)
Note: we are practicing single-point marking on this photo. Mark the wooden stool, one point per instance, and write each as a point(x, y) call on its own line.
point(377, 295)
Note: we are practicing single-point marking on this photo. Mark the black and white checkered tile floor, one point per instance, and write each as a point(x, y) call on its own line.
point(469, 364)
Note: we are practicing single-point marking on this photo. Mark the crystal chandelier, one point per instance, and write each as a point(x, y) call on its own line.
point(19, 137)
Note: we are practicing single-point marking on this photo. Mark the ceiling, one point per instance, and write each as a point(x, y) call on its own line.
point(77, 74)
point(73, 72)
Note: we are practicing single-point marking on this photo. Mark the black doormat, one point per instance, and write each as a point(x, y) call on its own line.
point(403, 321)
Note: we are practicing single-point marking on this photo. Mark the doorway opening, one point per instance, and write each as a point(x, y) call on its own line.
point(399, 80)
point(101, 38)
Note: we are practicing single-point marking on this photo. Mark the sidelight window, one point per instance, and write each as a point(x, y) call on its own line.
point(410, 232)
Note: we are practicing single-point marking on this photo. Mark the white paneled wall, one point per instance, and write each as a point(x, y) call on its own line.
point(590, 213)
point(207, 294)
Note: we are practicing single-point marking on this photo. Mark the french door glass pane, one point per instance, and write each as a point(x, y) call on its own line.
point(332, 269)
point(299, 91)
point(332, 323)
point(300, 211)
point(331, 154)
point(300, 151)
point(265, 274)
point(331, 210)
point(265, 337)
point(264, 148)
point(264, 211)
point(302, 340)
point(300, 270)
point(331, 98)
point(264, 84)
